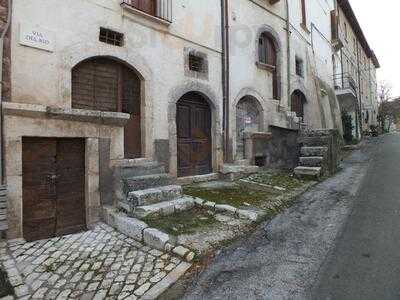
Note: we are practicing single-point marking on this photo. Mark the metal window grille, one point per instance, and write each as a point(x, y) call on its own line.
point(111, 37)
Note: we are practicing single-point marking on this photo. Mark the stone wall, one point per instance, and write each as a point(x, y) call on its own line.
point(281, 150)
point(6, 92)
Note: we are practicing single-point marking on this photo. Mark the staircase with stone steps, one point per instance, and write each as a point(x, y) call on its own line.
point(319, 154)
point(140, 182)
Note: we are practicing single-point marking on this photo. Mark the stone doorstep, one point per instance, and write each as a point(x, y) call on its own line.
point(149, 181)
point(154, 195)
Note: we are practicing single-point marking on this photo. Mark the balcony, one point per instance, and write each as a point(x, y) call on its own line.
point(157, 10)
point(346, 91)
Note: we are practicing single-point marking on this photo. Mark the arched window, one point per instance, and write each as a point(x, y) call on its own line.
point(298, 100)
point(267, 56)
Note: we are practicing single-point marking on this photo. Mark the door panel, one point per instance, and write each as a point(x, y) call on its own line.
point(39, 194)
point(194, 136)
point(70, 186)
point(53, 187)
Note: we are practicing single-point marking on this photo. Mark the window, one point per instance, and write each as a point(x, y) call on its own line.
point(267, 59)
point(196, 63)
point(303, 13)
point(111, 37)
point(345, 31)
point(299, 67)
point(266, 50)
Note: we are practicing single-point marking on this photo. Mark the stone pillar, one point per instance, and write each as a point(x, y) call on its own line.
point(92, 191)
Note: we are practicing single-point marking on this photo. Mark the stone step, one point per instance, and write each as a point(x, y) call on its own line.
point(154, 195)
point(311, 161)
point(242, 162)
point(138, 167)
point(313, 151)
point(197, 179)
point(315, 141)
point(313, 172)
point(148, 181)
point(149, 168)
point(164, 208)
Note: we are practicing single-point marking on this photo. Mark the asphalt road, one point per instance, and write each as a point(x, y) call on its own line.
point(285, 257)
point(365, 263)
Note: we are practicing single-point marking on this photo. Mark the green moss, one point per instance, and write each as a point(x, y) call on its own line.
point(281, 179)
point(236, 195)
point(186, 222)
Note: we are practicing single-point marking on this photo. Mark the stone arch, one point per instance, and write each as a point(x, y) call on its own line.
point(216, 137)
point(249, 118)
point(73, 55)
point(272, 33)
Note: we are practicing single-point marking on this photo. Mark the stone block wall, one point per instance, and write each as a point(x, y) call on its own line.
point(281, 150)
point(6, 92)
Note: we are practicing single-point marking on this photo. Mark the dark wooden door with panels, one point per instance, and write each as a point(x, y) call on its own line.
point(53, 187)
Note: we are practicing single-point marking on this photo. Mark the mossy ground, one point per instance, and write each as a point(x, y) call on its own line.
point(239, 194)
point(186, 222)
point(283, 179)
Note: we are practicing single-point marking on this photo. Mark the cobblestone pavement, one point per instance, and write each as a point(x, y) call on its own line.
point(97, 264)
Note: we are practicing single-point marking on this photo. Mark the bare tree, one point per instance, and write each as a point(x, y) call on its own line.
point(389, 108)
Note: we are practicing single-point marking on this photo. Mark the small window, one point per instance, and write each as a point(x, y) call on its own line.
point(196, 63)
point(111, 37)
point(299, 67)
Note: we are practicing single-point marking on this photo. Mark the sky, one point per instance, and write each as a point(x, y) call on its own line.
point(380, 22)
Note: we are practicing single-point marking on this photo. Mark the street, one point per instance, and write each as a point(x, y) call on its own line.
point(340, 241)
point(366, 261)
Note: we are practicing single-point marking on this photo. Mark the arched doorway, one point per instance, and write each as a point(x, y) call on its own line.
point(193, 121)
point(248, 119)
point(298, 100)
point(106, 84)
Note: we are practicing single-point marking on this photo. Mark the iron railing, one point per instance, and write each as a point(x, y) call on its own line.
point(161, 9)
point(345, 81)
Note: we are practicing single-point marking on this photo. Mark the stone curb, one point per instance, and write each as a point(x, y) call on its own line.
point(157, 290)
point(140, 231)
point(251, 215)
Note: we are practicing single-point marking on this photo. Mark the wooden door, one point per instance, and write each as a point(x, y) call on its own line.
point(53, 187)
point(194, 136)
point(297, 104)
point(107, 85)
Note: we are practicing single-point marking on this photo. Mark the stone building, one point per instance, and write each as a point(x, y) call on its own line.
point(102, 96)
point(355, 67)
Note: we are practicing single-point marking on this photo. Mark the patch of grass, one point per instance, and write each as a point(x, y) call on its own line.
point(236, 195)
point(185, 222)
point(281, 179)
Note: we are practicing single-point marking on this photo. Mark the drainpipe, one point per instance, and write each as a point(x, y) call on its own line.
point(288, 54)
point(225, 78)
point(7, 26)
point(359, 123)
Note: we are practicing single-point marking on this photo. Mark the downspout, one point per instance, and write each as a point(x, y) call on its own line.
point(225, 79)
point(359, 123)
point(288, 55)
point(3, 34)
